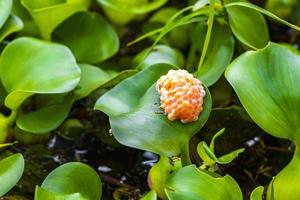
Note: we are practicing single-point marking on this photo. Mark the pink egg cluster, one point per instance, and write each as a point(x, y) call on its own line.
point(181, 95)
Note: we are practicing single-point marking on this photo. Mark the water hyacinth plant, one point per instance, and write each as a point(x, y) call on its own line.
point(141, 99)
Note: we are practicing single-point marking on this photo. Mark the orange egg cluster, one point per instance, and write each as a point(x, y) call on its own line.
point(181, 95)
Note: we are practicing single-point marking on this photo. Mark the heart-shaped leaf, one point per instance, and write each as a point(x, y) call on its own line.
point(121, 12)
point(194, 184)
point(5, 9)
point(48, 116)
point(133, 107)
point(48, 14)
point(89, 36)
point(71, 181)
point(12, 24)
point(29, 66)
point(264, 81)
point(92, 77)
point(245, 23)
point(11, 170)
point(219, 53)
point(159, 54)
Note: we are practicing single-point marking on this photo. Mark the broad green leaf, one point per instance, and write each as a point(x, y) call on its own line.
point(48, 14)
point(264, 81)
point(150, 196)
point(257, 193)
point(71, 179)
point(42, 194)
point(285, 185)
point(219, 53)
point(30, 66)
point(133, 107)
point(89, 36)
point(48, 116)
point(263, 11)
point(246, 23)
point(194, 184)
point(12, 24)
point(159, 54)
point(123, 11)
point(11, 170)
point(5, 9)
point(92, 78)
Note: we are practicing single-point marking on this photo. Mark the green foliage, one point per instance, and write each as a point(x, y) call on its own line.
point(25, 58)
point(159, 54)
point(89, 36)
point(123, 11)
point(136, 119)
point(258, 77)
point(245, 23)
point(192, 183)
point(11, 169)
point(207, 153)
point(48, 14)
point(70, 181)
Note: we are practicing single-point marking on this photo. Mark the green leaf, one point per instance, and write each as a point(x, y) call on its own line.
point(150, 196)
point(48, 116)
point(133, 107)
point(118, 77)
point(194, 184)
point(48, 14)
point(121, 12)
point(159, 54)
point(29, 66)
point(216, 136)
point(5, 9)
point(89, 36)
point(209, 158)
point(71, 180)
point(257, 193)
point(219, 53)
point(264, 81)
point(12, 24)
point(46, 195)
point(263, 11)
point(245, 23)
point(11, 170)
point(160, 173)
point(92, 78)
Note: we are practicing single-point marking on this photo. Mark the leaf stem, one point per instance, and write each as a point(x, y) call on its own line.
point(12, 117)
point(211, 17)
point(185, 156)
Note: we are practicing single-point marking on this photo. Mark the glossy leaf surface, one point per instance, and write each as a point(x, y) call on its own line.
point(265, 82)
point(89, 36)
point(5, 8)
point(71, 181)
point(30, 66)
point(246, 23)
point(11, 170)
point(136, 119)
point(192, 183)
point(48, 14)
point(12, 24)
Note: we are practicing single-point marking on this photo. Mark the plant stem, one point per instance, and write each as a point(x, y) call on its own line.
point(185, 156)
point(12, 117)
point(208, 33)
